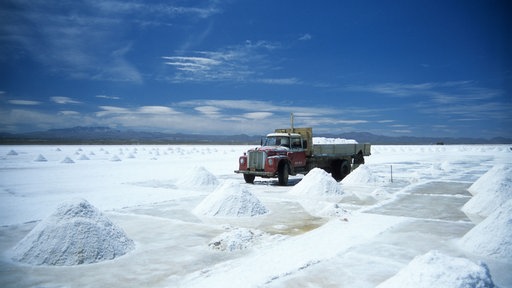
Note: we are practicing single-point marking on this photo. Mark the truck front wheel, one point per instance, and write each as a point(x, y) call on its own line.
point(249, 178)
point(282, 174)
point(340, 169)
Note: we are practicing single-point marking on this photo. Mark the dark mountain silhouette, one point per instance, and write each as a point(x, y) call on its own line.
point(106, 135)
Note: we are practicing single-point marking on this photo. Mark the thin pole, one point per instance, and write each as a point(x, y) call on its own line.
point(291, 120)
point(391, 173)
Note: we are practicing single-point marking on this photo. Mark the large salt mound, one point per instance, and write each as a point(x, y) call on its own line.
point(76, 233)
point(317, 183)
point(493, 236)
point(435, 269)
point(231, 200)
point(491, 190)
point(198, 177)
point(361, 175)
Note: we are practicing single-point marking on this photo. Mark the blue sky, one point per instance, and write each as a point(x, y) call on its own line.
point(396, 68)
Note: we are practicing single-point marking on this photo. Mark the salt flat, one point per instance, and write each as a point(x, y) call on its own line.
point(365, 235)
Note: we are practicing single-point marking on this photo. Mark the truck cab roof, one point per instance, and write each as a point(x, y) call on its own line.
point(283, 135)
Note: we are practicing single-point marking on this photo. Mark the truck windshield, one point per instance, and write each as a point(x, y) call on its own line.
point(277, 141)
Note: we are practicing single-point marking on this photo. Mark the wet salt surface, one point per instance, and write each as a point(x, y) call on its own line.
point(433, 200)
point(434, 221)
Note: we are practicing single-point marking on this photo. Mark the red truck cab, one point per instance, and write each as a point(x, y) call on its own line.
point(280, 155)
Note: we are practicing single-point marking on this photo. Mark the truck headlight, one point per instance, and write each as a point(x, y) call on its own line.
point(270, 161)
point(242, 160)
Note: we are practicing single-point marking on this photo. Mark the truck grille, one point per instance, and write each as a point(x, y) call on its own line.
point(256, 160)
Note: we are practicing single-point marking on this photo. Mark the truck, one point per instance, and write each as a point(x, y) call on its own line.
point(290, 151)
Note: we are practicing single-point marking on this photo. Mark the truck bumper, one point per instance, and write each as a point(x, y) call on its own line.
point(257, 173)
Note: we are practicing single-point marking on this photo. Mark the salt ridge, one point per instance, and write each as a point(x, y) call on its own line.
point(490, 191)
point(493, 236)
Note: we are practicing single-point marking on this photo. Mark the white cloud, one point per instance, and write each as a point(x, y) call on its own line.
point(442, 92)
point(108, 110)
point(247, 62)
point(263, 106)
point(222, 116)
point(305, 37)
point(143, 110)
point(64, 100)
point(195, 116)
point(69, 113)
point(108, 97)
point(279, 81)
point(144, 9)
point(210, 111)
point(20, 120)
point(24, 102)
point(258, 115)
point(451, 100)
point(191, 64)
point(228, 104)
point(402, 131)
point(89, 39)
point(155, 110)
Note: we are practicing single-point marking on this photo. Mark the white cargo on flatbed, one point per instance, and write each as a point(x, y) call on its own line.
point(341, 149)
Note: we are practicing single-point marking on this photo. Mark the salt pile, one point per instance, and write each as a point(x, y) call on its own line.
point(83, 157)
point(362, 175)
point(493, 236)
point(334, 210)
point(198, 177)
point(435, 269)
point(491, 190)
point(317, 183)
point(236, 239)
point(67, 160)
point(115, 158)
point(231, 200)
point(12, 153)
point(40, 158)
point(76, 233)
point(316, 191)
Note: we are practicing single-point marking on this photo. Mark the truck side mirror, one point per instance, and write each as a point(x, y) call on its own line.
point(305, 144)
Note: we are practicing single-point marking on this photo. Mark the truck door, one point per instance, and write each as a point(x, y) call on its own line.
point(297, 155)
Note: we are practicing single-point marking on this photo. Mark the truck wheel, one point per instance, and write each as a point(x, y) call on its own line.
point(340, 169)
point(249, 178)
point(344, 169)
point(282, 174)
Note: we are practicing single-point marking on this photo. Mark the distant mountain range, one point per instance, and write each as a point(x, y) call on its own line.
point(106, 135)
